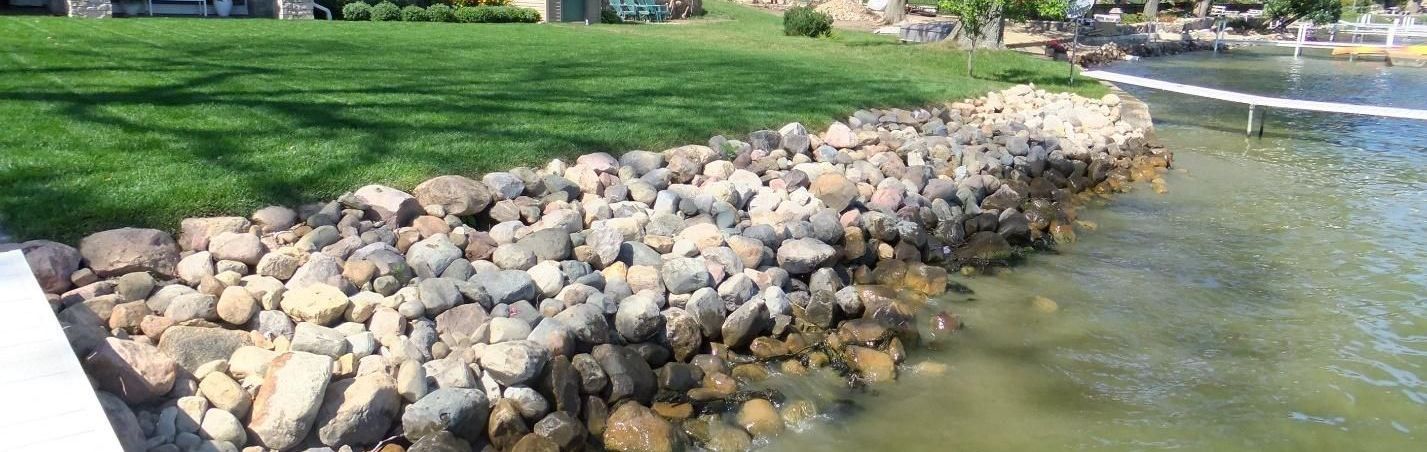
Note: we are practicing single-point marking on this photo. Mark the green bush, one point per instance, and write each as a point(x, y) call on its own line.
point(1133, 18)
point(805, 21)
point(386, 11)
point(413, 13)
point(439, 12)
point(1037, 9)
point(608, 16)
point(496, 14)
point(357, 11)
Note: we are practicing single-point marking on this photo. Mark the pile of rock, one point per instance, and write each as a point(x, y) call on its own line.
point(851, 10)
point(616, 302)
point(1089, 56)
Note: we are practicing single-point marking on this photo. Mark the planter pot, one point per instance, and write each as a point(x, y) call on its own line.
point(223, 7)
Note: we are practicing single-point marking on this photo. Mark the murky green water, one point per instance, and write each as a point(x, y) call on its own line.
point(1274, 299)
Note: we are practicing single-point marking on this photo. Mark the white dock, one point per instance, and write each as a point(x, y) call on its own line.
point(1257, 104)
point(48, 404)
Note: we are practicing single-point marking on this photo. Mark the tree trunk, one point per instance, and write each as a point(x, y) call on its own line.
point(970, 56)
point(895, 12)
point(1151, 10)
point(1201, 9)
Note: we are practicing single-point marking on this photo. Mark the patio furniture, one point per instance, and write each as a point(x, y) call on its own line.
point(625, 9)
point(659, 12)
point(1218, 10)
point(1253, 13)
point(201, 4)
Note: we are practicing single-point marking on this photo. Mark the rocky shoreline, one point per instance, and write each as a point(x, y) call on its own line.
point(623, 303)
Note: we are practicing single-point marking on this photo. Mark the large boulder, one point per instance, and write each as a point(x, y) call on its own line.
point(289, 398)
point(135, 371)
point(119, 251)
point(237, 246)
point(456, 195)
point(358, 411)
point(395, 207)
point(51, 262)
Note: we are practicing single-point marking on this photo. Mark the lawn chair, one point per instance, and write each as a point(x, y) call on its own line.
point(625, 9)
point(1253, 14)
point(1218, 10)
point(659, 12)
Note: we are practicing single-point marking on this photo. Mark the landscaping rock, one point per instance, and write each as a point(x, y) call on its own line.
point(458, 410)
point(456, 195)
point(514, 362)
point(119, 251)
point(389, 205)
point(358, 411)
point(51, 262)
point(632, 427)
point(136, 372)
point(289, 398)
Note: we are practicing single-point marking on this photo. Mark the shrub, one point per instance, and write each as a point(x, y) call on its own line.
point(357, 11)
point(479, 2)
point(413, 13)
point(496, 14)
point(608, 16)
point(439, 12)
point(805, 21)
point(385, 11)
point(1132, 18)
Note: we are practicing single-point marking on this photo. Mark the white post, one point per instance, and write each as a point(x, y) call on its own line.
point(1391, 33)
point(1302, 36)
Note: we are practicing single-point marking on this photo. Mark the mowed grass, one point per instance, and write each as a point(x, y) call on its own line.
point(142, 122)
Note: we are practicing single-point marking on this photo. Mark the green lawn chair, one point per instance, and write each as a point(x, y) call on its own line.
point(659, 12)
point(626, 9)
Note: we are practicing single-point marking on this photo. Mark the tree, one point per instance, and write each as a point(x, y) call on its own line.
point(1284, 12)
point(1201, 8)
point(1151, 10)
point(974, 16)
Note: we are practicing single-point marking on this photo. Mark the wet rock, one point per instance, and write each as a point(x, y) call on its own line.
point(759, 418)
point(632, 427)
point(871, 364)
point(563, 430)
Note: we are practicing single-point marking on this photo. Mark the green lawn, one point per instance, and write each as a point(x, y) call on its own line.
point(141, 122)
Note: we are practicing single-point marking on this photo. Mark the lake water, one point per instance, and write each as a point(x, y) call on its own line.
point(1274, 299)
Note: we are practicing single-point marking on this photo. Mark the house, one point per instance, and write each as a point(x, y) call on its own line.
point(281, 9)
point(564, 10)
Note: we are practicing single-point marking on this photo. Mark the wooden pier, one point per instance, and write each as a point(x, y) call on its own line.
point(1258, 105)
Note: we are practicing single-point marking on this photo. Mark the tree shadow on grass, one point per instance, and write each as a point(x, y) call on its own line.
point(214, 129)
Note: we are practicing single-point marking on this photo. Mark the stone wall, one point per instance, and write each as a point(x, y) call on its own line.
point(294, 9)
point(96, 9)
